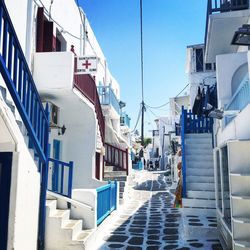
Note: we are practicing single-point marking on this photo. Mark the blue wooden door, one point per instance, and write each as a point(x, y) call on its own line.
point(55, 172)
point(5, 183)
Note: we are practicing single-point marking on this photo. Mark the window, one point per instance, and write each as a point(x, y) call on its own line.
point(199, 59)
point(208, 66)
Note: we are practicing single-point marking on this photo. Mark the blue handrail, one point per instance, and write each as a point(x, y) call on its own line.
point(183, 129)
point(19, 81)
point(59, 171)
point(106, 200)
point(108, 97)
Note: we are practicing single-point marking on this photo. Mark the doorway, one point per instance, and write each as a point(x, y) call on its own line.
point(5, 184)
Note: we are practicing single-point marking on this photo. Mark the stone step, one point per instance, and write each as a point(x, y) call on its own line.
point(201, 194)
point(198, 203)
point(200, 164)
point(199, 158)
point(196, 136)
point(200, 186)
point(199, 179)
point(199, 151)
point(200, 171)
point(71, 228)
point(115, 178)
point(198, 146)
point(200, 141)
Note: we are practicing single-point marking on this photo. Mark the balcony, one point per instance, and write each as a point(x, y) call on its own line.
point(125, 120)
point(228, 5)
point(55, 77)
point(227, 16)
point(240, 99)
point(108, 98)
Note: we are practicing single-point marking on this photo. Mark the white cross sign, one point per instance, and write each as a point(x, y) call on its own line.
point(86, 65)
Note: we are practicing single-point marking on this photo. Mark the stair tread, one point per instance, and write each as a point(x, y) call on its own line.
point(83, 235)
point(69, 224)
point(59, 212)
point(50, 202)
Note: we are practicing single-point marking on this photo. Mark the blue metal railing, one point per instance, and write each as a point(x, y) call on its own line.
point(192, 124)
point(60, 177)
point(107, 97)
point(18, 79)
point(125, 120)
point(183, 153)
point(240, 99)
point(106, 200)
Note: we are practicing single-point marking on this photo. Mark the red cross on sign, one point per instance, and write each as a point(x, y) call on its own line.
point(86, 64)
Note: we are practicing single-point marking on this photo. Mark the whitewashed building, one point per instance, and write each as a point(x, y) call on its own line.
point(56, 41)
point(231, 133)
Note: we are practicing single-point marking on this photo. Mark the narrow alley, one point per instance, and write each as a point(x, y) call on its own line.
point(149, 220)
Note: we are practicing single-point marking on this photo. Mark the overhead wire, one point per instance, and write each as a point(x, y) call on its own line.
point(138, 119)
point(165, 104)
point(59, 25)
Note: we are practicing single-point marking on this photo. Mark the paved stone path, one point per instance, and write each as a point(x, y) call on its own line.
point(151, 222)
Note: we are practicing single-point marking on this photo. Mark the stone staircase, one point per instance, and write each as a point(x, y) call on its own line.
point(112, 174)
point(200, 183)
point(63, 232)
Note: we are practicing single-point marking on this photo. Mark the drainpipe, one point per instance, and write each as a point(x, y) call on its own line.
point(29, 37)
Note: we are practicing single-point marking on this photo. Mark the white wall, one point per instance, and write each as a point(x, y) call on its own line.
point(25, 187)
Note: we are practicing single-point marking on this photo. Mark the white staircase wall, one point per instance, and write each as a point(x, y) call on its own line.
point(25, 186)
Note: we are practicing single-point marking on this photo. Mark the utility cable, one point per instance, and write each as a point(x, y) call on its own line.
point(138, 119)
point(165, 104)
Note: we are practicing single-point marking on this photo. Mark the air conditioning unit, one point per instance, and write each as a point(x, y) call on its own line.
point(54, 115)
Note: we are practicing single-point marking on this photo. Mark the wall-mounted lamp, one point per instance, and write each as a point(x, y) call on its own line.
point(61, 130)
point(219, 114)
point(242, 36)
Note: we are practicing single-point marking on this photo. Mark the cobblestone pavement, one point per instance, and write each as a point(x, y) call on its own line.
point(149, 221)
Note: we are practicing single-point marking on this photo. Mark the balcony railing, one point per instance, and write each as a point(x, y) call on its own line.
point(240, 99)
point(107, 97)
point(125, 120)
point(60, 177)
point(106, 200)
point(86, 85)
point(219, 6)
point(116, 157)
point(227, 5)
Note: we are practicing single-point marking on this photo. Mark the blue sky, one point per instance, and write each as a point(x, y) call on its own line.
point(169, 26)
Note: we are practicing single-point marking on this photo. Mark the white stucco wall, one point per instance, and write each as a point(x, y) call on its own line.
point(25, 186)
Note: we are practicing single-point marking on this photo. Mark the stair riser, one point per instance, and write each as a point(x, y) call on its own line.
point(195, 135)
point(241, 231)
point(240, 208)
point(204, 141)
point(200, 158)
point(240, 186)
point(201, 194)
point(73, 231)
point(194, 151)
point(200, 187)
point(198, 203)
point(199, 179)
point(118, 178)
point(202, 171)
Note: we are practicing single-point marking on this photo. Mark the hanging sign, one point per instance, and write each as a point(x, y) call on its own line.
point(86, 64)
